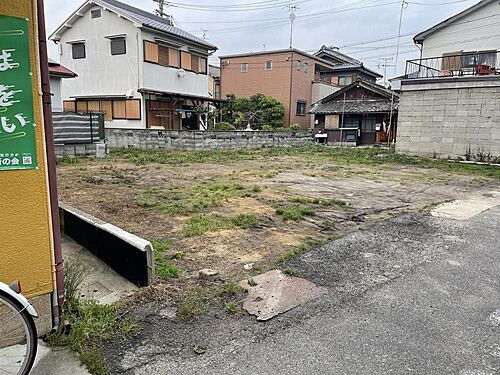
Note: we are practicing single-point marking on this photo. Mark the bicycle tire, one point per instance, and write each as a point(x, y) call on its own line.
point(31, 334)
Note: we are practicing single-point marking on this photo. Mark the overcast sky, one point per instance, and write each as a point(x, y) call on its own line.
point(342, 23)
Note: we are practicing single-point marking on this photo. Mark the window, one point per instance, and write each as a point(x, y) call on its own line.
point(305, 67)
point(195, 63)
point(301, 108)
point(150, 52)
point(96, 13)
point(78, 50)
point(118, 46)
point(203, 65)
point(163, 55)
point(186, 60)
point(173, 57)
point(471, 59)
point(244, 68)
point(344, 81)
point(114, 109)
point(269, 65)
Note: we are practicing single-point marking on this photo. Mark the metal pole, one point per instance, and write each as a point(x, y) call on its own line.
point(51, 156)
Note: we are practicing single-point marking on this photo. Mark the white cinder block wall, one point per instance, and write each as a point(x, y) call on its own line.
point(446, 119)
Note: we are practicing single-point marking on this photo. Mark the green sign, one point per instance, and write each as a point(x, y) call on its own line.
point(17, 127)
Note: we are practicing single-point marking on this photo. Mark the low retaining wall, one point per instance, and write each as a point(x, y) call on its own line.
point(91, 150)
point(130, 256)
point(203, 140)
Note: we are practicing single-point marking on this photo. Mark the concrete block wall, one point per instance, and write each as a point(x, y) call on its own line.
point(173, 140)
point(445, 118)
point(90, 150)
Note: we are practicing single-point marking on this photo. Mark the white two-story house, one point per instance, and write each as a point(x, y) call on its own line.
point(136, 67)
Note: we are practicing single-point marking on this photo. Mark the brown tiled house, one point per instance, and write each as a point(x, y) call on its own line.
point(286, 75)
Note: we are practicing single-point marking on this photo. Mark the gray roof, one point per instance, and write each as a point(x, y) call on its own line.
point(344, 62)
point(330, 51)
point(355, 106)
point(152, 20)
point(137, 15)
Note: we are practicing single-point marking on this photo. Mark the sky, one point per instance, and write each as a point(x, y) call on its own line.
point(364, 29)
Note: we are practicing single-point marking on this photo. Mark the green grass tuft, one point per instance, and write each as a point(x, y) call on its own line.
point(244, 221)
point(163, 268)
point(294, 212)
point(200, 224)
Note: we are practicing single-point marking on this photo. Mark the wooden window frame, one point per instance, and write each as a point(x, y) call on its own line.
point(144, 52)
point(73, 103)
point(125, 118)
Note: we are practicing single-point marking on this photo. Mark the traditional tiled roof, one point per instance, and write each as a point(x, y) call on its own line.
point(153, 21)
point(137, 15)
point(355, 106)
point(335, 103)
point(342, 61)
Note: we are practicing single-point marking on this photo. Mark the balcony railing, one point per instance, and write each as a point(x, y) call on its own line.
point(454, 65)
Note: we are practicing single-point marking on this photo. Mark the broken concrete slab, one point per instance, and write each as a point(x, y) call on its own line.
point(208, 273)
point(464, 209)
point(273, 293)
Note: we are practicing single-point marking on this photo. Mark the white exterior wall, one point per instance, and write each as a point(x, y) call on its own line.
point(100, 73)
point(55, 90)
point(162, 78)
point(480, 34)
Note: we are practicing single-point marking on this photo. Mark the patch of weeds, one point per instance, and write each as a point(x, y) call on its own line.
point(294, 212)
point(244, 221)
point(319, 201)
point(66, 160)
point(429, 207)
point(289, 271)
point(256, 189)
point(93, 180)
point(232, 307)
point(200, 224)
point(91, 324)
point(163, 268)
point(252, 282)
point(146, 201)
point(230, 289)
point(179, 254)
point(191, 305)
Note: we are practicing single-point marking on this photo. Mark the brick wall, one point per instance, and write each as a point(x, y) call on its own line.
point(446, 117)
point(274, 82)
point(203, 140)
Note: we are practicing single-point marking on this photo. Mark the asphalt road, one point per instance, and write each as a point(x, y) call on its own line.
point(410, 295)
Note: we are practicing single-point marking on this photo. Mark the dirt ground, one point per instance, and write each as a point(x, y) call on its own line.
point(225, 213)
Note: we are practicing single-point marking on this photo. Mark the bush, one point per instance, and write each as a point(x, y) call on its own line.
point(224, 126)
point(267, 128)
point(295, 127)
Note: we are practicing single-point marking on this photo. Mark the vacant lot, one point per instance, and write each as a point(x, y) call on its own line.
point(225, 209)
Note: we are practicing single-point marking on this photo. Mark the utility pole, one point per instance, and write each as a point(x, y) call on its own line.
point(162, 4)
point(404, 5)
point(385, 64)
point(292, 8)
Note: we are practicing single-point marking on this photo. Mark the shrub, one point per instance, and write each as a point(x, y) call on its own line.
point(224, 126)
point(267, 128)
point(295, 127)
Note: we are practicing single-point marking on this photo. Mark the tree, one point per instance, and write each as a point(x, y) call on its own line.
point(258, 110)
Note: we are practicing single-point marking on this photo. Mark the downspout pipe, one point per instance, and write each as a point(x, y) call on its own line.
point(51, 155)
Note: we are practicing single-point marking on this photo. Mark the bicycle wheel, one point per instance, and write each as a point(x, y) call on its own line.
point(18, 339)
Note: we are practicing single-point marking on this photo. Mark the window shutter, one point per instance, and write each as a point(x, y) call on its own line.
point(185, 60)
point(133, 109)
point(150, 52)
point(81, 106)
point(195, 63)
point(107, 108)
point(163, 55)
point(93, 106)
point(451, 61)
point(173, 57)
point(119, 109)
point(69, 106)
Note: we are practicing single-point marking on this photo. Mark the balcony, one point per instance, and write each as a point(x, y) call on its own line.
point(454, 65)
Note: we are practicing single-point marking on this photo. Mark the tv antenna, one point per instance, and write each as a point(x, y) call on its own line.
point(385, 64)
point(204, 31)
